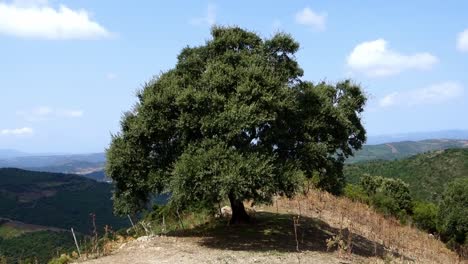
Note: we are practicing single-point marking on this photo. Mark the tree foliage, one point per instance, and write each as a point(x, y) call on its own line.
point(234, 119)
point(425, 216)
point(453, 212)
point(391, 196)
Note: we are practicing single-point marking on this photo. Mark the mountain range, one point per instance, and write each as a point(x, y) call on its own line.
point(88, 165)
point(378, 148)
point(417, 136)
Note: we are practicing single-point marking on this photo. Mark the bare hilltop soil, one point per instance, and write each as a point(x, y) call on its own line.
point(317, 228)
point(192, 250)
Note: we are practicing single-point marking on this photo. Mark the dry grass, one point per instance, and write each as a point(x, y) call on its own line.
point(406, 243)
point(317, 228)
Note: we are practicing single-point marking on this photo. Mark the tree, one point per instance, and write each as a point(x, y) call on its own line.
point(453, 213)
point(234, 120)
point(389, 195)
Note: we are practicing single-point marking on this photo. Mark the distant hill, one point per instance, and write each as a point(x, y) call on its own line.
point(11, 153)
point(398, 150)
point(56, 200)
point(417, 136)
point(88, 165)
point(51, 160)
point(427, 173)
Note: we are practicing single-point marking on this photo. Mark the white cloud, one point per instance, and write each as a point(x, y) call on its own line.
point(208, 19)
point(434, 94)
point(37, 19)
point(311, 19)
point(44, 113)
point(375, 59)
point(29, 3)
point(462, 41)
point(25, 131)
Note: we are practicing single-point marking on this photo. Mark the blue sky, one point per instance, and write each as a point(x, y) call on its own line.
point(69, 69)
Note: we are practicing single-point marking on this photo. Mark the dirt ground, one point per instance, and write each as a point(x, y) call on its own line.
point(291, 231)
point(191, 250)
point(270, 239)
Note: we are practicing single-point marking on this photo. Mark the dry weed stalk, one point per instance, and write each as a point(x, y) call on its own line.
point(296, 224)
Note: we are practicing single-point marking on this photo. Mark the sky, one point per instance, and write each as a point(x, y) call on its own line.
point(69, 69)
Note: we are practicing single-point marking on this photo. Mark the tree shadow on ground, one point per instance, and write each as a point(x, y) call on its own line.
point(275, 232)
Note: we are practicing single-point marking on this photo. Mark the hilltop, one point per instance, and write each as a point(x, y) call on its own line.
point(328, 229)
point(427, 173)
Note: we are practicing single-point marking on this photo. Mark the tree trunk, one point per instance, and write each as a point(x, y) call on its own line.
point(239, 215)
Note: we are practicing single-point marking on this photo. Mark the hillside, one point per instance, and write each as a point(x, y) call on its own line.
point(364, 235)
point(427, 174)
point(33, 247)
point(56, 200)
point(403, 149)
point(87, 165)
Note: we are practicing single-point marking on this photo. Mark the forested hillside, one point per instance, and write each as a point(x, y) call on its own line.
point(34, 247)
point(57, 200)
point(427, 174)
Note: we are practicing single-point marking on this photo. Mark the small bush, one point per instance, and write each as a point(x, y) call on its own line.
point(63, 259)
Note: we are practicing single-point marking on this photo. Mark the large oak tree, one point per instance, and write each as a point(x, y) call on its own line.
point(234, 120)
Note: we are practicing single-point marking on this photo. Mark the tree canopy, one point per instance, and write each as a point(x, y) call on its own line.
point(234, 120)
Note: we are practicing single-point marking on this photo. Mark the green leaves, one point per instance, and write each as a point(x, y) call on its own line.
point(233, 118)
point(391, 196)
point(207, 172)
point(453, 212)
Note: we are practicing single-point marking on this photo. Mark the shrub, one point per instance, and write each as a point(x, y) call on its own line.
point(385, 204)
point(425, 216)
point(453, 216)
point(63, 259)
point(397, 190)
point(387, 195)
point(371, 183)
point(356, 193)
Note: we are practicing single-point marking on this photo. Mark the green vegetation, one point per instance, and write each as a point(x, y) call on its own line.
point(399, 150)
point(56, 200)
point(438, 184)
point(389, 196)
point(427, 174)
point(7, 232)
point(453, 216)
point(425, 216)
point(35, 247)
point(234, 120)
